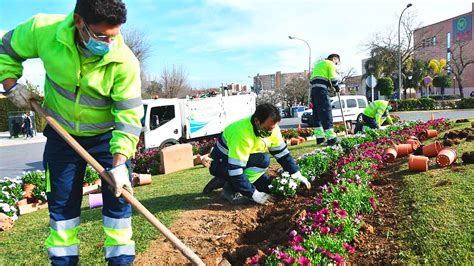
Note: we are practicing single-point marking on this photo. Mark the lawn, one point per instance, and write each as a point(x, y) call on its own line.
point(167, 197)
point(437, 206)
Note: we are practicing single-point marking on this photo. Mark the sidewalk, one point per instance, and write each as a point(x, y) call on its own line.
point(5, 139)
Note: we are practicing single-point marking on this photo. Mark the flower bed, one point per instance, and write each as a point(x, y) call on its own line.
point(331, 219)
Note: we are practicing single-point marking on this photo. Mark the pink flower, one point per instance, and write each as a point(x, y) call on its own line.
point(297, 239)
point(336, 204)
point(282, 255)
point(303, 261)
point(289, 260)
point(293, 233)
point(339, 259)
point(343, 189)
point(341, 213)
point(298, 248)
point(254, 260)
point(324, 230)
point(348, 247)
point(372, 202)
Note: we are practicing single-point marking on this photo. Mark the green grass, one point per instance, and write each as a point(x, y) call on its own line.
point(437, 206)
point(167, 197)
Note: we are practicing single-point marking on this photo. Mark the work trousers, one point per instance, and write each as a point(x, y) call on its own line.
point(65, 171)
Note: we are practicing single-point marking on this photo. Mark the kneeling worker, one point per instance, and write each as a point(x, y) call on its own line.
point(240, 158)
point(375, 114)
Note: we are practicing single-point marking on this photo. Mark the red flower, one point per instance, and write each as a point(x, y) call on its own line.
point(372, 202)
point(303, 261)
point(324, 230)
point(254, 260)
point(348, 247)
point(341, 213)
point(289, 260)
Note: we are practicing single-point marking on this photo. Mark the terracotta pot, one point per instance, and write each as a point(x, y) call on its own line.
point(144, 179)
point(28, 188)
point(22, 202)
point(430, 133)
point(390, 155)
point(432, 149)
point(446, 157)
point(301, 139)
point(98, 182)
point(414, 143)
point(95, 200)
point(403, 149)
point(413, 138)
point(295, 141)
point(418, 163)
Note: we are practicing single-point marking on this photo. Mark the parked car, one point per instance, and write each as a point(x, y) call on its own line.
point(297, 111)
point(352, 105)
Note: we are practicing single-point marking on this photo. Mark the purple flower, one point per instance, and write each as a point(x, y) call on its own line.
point(341, 213)
point(343, 189)
point(303, 261)
point(297, 239)
point(324, 230)
point(348, 247)
point(293, 233)
point(336, 204)
point(254, 260)
point(289, 260)
point(298, 248)
point(372, 202)
point(282, 255)
point(339, 259)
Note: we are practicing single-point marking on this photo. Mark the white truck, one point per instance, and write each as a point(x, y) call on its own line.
point(170, 121)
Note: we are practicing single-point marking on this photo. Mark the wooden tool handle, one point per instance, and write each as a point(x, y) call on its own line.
point(187, 252)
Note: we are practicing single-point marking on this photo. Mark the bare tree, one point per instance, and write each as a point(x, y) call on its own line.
point(294, 92)
point(347, 73)
point(137, 42)
point(459, 62)
point(174, 82)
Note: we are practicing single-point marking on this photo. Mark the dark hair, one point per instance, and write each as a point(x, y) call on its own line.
point(331, 56)
point(266, 110)
point(112, 12)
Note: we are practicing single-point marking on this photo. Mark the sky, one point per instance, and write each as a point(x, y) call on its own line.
point(226, 41)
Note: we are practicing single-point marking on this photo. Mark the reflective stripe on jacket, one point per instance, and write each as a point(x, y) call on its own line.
point(88, 96)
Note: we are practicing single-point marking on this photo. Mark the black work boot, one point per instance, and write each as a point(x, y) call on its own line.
point(214, 184)
point(320, 141)
point(234, 198)
point(332, 141)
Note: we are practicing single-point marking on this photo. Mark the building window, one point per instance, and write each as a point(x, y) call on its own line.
point(433, 41)
point(448, 40)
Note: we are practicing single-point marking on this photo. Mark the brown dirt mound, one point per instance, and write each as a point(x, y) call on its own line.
point(462, 120)
point(468, 157)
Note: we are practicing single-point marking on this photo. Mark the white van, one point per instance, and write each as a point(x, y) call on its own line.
point(352, 105)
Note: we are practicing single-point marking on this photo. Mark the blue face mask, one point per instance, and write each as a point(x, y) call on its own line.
point(95, 46)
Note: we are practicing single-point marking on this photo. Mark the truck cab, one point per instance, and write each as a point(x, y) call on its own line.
point(161, 123)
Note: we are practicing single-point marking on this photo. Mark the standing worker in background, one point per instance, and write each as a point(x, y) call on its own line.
point(240, 158)
point(323, 77)
point(375, 114)
point(92, 89)
point(28, 125)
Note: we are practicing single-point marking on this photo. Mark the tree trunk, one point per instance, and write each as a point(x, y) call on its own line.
point(461, 90)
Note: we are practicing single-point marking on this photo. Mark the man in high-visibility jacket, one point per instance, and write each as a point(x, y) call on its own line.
point(375, 114)
point(323, 77)
point(240, 158)
point(92, 88)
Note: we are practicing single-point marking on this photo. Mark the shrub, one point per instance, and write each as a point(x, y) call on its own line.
point(91, 175)
point(33, 177)
point(11, 192)
point(385, 86)
point(289, 133)
point(147, 162)
point(466, 103)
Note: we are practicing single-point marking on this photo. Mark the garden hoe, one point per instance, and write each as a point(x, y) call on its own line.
point(342, 112)
point(125, 194)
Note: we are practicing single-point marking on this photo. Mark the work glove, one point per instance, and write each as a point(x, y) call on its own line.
point(304, 180)
point(261, 197)
point(121, 179)
point(21, 96)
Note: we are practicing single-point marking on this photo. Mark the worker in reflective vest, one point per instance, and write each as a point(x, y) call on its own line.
point(375, 114)
point(240, 159)
point(92, 88)
point(324, 76)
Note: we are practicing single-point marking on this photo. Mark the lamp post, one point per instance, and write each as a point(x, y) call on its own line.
point(309, 63)
point(400, 55)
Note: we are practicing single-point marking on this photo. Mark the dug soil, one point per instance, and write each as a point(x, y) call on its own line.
point(220, 232)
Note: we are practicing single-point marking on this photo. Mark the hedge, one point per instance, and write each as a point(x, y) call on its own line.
point(431, 104)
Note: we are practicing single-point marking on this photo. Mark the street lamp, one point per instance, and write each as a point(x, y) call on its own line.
point(400, 56)
point(309, 63)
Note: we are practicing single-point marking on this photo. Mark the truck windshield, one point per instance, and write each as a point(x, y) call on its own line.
point(144, 114)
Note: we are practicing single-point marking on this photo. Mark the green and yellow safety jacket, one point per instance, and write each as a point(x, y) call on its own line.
point(379, 111)
point(86, 95)
point(239, 140)
point(324, 74)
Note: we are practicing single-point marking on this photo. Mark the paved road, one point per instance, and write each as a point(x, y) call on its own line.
point(18, 158)
point(422, 115)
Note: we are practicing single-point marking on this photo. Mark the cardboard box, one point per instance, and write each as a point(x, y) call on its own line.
point(32, 207)
point(175, 158)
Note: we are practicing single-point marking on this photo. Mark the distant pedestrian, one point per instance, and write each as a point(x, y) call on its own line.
point(323, 77)
point(28, 125)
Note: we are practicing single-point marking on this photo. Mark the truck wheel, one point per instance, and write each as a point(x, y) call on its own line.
point(168, 143)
